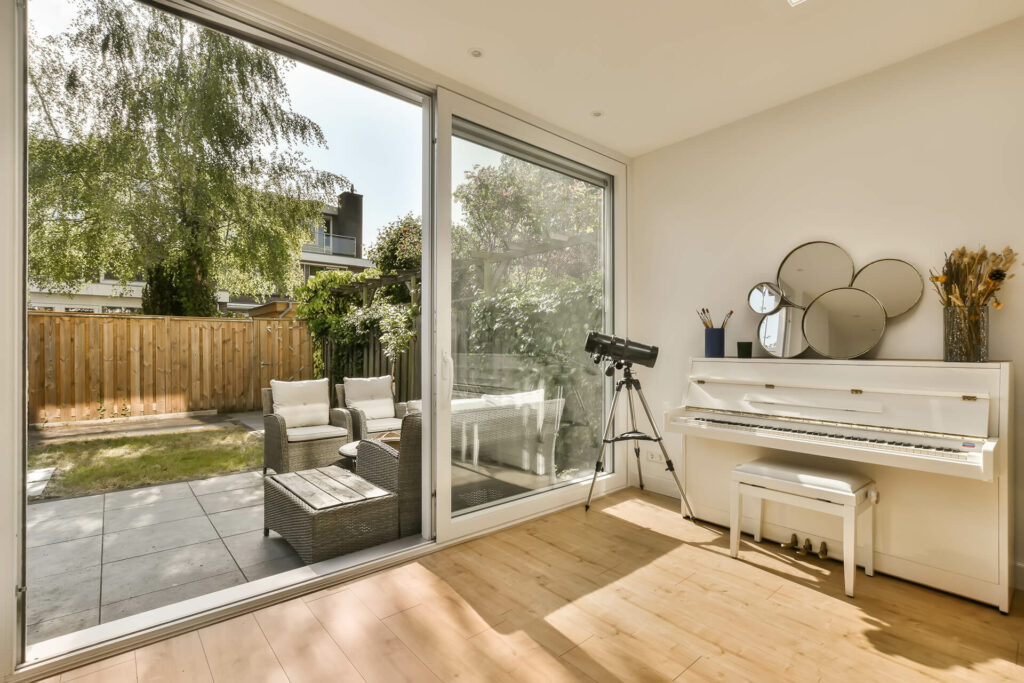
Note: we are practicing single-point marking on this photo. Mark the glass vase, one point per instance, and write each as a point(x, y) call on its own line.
point(965, 338)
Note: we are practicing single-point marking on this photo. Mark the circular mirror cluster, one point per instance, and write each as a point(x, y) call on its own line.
point(819, 301)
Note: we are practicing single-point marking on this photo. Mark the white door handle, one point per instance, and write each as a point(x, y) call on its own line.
point(448, 372)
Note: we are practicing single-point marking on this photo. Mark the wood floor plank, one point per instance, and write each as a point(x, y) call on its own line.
point(175, 660)
point(237, 650)
point(303, 647)
point(95, 667)
point(118, 673)
point(376, 652)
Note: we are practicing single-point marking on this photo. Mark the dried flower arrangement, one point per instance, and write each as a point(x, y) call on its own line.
point(973, 278)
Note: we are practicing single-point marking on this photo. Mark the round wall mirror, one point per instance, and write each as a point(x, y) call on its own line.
point(780, 333)
point(812, 269)
point(896, 284)
point(844, 323)
point(765, 298)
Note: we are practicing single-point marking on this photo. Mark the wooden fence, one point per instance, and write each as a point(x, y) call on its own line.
point(85, 366)
point(368, 360)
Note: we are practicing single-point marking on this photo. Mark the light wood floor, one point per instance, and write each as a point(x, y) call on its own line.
point(627, 592)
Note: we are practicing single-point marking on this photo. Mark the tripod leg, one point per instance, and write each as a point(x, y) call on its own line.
point(599, 465)
point(632, 428)
point(664, 451)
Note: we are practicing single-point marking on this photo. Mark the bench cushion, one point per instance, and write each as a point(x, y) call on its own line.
point(372, 395)
point(384, 424)
point(799, 479)
point(315, 433)
point(302, 404)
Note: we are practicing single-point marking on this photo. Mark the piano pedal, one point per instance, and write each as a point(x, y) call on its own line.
point(806, 548)
point(823, 550)
point(793, 542)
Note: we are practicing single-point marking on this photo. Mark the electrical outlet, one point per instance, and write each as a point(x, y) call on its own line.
point(653, 456)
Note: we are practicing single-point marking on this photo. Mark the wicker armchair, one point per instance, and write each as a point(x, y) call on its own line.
point(289, 449)
point(377, 422)
point(398, 471)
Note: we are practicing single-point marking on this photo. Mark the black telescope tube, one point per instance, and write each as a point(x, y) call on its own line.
point(619, 349)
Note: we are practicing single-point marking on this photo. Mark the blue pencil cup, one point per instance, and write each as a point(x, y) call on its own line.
point(714, 342)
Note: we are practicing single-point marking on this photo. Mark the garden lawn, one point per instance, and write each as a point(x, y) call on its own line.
point(101, 465)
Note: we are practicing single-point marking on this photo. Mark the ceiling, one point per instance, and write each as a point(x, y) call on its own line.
point(659, 70)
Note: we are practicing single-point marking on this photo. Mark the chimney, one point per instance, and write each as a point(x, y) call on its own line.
point(350, 218)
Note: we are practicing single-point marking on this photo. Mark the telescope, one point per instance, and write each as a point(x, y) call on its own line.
point(618, 350)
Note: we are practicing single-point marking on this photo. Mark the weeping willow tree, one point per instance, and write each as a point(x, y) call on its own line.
point(162, 148)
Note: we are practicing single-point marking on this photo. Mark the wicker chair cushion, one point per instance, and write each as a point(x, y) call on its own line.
point(372, 395)
point(385, 424)
point(302, 404)
point(315, 433)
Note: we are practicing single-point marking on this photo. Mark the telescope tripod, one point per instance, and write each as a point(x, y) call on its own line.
point(631, 383)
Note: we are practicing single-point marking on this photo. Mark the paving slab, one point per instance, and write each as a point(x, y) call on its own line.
point(275, 566)
point(64, 529)
point(253, 547)
point(68, 507)
point(60, 626)
point(121, 545)
point(169, 596)
point(226, 482)
point(147, 515)
point(41, 474)
point(57, 558)
point(239, 521)
point(137, 576)
point(147, 496)
point(233, 499)
point(62, 594)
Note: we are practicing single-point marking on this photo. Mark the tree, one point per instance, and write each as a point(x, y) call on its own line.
point(162, 148)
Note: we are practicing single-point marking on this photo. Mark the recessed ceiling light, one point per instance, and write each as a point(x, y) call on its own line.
point(597, 114)
point(476, 52)
point(794, 3)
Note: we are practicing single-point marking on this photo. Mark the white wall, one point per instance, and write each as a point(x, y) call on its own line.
point(909, 162)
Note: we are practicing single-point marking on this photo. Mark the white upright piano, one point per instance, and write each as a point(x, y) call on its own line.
point(936, 438)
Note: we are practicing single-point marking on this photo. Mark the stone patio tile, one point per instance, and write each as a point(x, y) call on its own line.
point(35, 488)
point(57, 558)
point(232, 500)
point(68, 507)
point(147, 496)
point(63, 529)
point(137, 576)
point(42, 474)
point(275, 566)
point(253, 547)
point(51, 628)
point(147, 515)
point(121, 545)
point(169, 596)
point(62, 594)
point(226, 482)
point(235, 522)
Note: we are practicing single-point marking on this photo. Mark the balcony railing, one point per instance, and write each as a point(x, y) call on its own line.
point(326, 243)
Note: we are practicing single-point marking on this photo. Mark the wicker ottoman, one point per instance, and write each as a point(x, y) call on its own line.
point(328, 511)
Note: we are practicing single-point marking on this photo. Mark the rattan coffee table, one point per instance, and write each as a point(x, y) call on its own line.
point(328, 511)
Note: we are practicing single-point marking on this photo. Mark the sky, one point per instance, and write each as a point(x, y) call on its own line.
point(373, 139)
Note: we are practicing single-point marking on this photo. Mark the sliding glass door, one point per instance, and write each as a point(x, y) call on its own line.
point(528, 231)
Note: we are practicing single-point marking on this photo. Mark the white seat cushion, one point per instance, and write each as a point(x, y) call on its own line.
point(800, 480)
point(302, 404)
point(315, 433)
point(384, 424)
point(372, 395)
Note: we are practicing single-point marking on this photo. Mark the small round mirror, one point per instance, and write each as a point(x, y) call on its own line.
point(765, 298)
point(780, 333)
point(896, 284)
point(812, 269)
point(844, 323)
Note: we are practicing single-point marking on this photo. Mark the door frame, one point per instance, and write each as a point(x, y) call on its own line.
point(449, 105)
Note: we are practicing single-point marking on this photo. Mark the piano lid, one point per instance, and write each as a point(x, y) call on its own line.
point(909, 396)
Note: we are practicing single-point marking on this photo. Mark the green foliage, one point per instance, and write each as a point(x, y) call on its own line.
point(399, 245)
point(161, 147)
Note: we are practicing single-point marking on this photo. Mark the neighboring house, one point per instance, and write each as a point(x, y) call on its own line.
point(337, 245)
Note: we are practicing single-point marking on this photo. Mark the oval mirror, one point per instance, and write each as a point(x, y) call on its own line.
point(812, 269)
point(896, 284)
point(765, 298)
point(781, 333)
point(844, 323)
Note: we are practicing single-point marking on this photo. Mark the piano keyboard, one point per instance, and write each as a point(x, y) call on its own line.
point(839, 439)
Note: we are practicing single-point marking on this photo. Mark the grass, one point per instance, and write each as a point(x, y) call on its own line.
point(101, 465)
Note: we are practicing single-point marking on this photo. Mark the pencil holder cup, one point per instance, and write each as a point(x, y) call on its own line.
point(714, 342)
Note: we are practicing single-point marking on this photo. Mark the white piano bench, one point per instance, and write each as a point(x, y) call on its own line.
point(842, 494)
